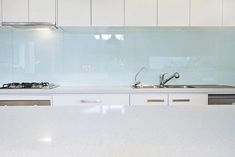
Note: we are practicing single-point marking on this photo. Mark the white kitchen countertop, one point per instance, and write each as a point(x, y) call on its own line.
point(114, 89)
point(118, 131)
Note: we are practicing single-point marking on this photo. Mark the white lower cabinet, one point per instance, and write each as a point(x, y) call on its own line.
point(90, 99)
point(188, 99)
point(104, 99)
point(169, 99)
point(148, 99)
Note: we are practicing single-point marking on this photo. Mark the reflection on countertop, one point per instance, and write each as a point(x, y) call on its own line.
point(125, 131)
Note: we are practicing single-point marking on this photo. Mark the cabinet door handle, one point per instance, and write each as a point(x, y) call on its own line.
point(155, 100)
point(91, 101)
point(181, 100)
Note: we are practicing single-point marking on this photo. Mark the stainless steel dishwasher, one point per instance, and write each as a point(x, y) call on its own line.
point(221, 99)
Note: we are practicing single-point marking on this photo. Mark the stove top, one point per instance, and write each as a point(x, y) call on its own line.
point(28, 85)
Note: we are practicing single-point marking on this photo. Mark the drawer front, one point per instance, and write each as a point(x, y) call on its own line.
point(90, 99)
point(148, 99)
point(188, 99)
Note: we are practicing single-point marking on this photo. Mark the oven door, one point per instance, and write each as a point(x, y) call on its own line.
point(13, 100)
point(25, 102)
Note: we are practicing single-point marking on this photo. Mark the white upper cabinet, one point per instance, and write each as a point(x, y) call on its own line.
point(0, 12)
point(140, 12)
point(228, 12)
point(121, 12)
point(107, 12)
point(74, 13)
point(206, 12)
point(173, 12)
point(29, 10)
point(15, 10)
point(42, 11)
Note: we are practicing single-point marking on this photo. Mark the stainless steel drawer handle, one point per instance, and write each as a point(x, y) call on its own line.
point(155, 100)
point(91, 101)
point(181, 100)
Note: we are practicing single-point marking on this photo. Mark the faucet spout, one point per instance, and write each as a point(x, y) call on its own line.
point(136, 83)
point(163, 81)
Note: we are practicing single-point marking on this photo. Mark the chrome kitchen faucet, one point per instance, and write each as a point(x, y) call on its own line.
point(163, 81)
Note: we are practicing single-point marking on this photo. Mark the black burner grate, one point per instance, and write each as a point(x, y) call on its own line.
point(27, 85)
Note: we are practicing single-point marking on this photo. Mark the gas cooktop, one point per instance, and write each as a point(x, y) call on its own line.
point(28, 85)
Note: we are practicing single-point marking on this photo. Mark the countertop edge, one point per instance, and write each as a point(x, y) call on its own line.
point(115, 90)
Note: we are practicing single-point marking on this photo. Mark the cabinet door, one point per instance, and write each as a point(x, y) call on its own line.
point(15, 10)
point(42, 11)
point(90, 99)
point(188, 99)
point(107, 12)
point(149, 99)
point(173, 12)
point(74, 12)
point(228, 12)
point(206, 12)
point(140, 12)
point(0, 12)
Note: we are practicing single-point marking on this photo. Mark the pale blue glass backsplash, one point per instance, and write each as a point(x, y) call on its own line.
point(112, 56)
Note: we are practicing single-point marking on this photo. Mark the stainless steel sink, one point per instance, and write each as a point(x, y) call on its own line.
point(212, 86)
point(182, 86)
point(167, 86)
point(198, 86)
point(142, 86)
point(179, 86)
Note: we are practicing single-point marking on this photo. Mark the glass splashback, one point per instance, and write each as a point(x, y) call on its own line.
point(112, 56)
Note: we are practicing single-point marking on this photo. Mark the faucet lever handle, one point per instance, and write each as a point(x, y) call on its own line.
point(162, 76)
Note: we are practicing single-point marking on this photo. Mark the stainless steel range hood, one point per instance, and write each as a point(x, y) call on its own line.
point(30, 25)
